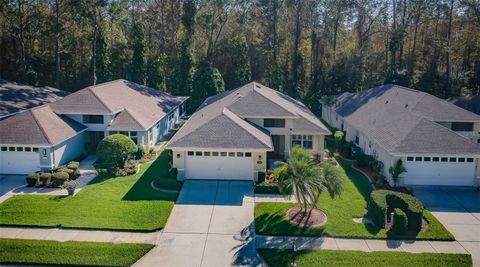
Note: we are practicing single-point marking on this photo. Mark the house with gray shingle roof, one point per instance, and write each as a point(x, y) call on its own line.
point(17, 97)
point(47, 136)
point(436, 140)
point(233, 135)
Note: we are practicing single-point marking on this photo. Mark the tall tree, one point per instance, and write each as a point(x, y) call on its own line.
point(102, 60)
point(137, 67)
point(238, 72)
point(207, 81)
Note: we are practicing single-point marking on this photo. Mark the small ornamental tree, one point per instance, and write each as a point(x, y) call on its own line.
point(396, 171)
point(338, 138)
point(115, 149)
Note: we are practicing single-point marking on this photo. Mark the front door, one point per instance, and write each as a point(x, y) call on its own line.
point(93, 139)
point(278, 147)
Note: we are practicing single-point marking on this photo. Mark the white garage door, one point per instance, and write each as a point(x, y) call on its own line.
point(12, 162)
point(442, 171)
point(219, 165)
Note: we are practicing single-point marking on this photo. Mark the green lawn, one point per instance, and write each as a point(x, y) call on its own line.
point(270, 217)
point(122, 203)
point(22, 251)
point(279, 258)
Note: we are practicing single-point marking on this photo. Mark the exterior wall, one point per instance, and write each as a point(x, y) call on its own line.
point(94, 127)
point(46, 162)
point(259, 163)
point(318, 144)
point(331, 117)
point(477, 178)
point(69, 149)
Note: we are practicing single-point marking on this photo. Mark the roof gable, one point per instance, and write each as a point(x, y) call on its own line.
point(123, 121)
point(38, 126)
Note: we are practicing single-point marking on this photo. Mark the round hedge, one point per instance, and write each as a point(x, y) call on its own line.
point(32, 179)
point(115, 149)
point(58, 178)
point(45, 178)
point(380, 200)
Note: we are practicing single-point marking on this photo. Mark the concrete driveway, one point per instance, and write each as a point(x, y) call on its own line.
point(9, 182)
point(458, 209)
point(210, 225)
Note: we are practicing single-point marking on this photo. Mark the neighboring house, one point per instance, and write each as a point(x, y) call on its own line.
point(16, 97)
point(48, 136)
point(233, 135)
point(469, 102)
point(436, 140)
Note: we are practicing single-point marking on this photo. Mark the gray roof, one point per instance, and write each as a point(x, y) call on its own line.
point(17, 97)
point(469, 102)
point(403, 120)
point(38, 126)
point(220, 121)
point(144, 105)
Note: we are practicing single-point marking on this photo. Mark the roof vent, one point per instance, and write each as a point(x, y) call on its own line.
point(258, 86)
point(406, 105)
point(386, 102)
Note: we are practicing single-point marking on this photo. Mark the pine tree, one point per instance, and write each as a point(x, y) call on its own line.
point(207, 81)
point(186, 62)
point(137, 67)
point(102, 60)
point(156, 72)
point(238, 72)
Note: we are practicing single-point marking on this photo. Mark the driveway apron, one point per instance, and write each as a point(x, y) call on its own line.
point(210, 225)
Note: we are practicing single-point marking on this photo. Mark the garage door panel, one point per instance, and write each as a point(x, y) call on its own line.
point(219, 168)
point(441, 173)
point(19, 162)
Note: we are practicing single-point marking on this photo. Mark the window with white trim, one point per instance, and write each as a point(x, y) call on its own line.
point(305, 141)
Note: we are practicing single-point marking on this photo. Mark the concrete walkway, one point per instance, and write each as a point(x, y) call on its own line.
point(87, 173)
point(368, 245)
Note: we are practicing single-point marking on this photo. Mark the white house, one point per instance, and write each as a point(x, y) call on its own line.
point(48, 136)
point(436, 140)
point(235, 134)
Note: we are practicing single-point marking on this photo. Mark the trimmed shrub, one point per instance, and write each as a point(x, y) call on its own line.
point(45, 178)
point(74, 162)
point(400, 221)
point(380, 200)
point(267, 188)
point(364, 160)
point(71, 173)
point(73, 165)
point(32, 179)
point(115, 149)
point(379, 179)
point(58, 178)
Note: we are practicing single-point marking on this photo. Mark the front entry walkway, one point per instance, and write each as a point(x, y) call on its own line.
point(210, 225)
point(16, 185)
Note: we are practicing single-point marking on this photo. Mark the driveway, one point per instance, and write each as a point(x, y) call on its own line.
point(9, 182)
point(210, 225)
point(458, 209)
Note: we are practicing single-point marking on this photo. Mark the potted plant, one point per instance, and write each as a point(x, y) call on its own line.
point(70, 185)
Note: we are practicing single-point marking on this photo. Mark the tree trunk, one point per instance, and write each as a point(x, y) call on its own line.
point(447, 56)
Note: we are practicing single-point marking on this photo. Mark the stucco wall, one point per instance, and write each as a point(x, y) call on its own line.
point(107, 119)
point(69, 149)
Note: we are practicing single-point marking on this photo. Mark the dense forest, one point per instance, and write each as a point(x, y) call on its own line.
point(305, 48)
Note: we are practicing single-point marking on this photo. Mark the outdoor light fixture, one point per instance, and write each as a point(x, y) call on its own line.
point(294, 249)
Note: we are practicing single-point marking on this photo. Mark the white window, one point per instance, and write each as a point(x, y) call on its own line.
point(190, 153)
point(305, 141)
point(206, 154)
point(215, 154)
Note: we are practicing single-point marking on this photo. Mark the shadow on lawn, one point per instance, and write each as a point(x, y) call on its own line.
point(142, 189)
point(275, 224)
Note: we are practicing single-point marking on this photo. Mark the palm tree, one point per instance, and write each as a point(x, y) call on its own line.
point(396, 171)
point(306, 179)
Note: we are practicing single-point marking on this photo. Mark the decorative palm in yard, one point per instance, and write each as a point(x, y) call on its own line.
point(396, 171)
point(306, 179)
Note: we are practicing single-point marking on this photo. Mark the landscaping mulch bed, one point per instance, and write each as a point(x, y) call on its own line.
point(310, 218)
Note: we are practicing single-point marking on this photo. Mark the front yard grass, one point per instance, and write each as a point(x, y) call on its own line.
point(279, 258)
point(270, 217)
point(119, 203)
point(23, 251)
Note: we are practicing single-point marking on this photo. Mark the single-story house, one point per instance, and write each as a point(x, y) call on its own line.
point(234, 134)
point(436, 140)
point(17, 97)
point(45, 137)
point(468, 102)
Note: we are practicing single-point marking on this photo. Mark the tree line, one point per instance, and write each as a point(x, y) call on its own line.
point(305, 48)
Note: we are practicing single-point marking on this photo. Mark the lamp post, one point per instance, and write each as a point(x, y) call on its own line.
point(294, 249)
